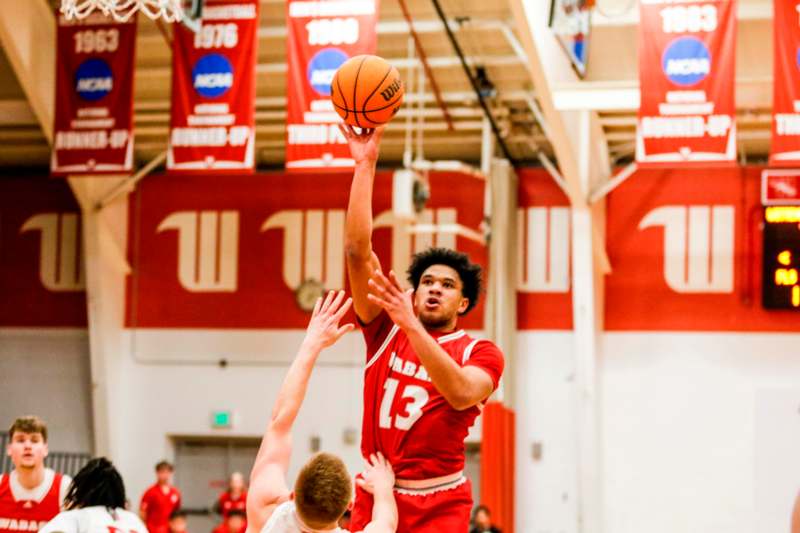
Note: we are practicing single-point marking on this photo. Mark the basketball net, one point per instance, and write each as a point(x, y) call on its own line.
point(122, 10)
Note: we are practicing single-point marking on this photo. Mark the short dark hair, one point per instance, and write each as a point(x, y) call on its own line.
point(469, 272)
point(97, 484)
point(483, 509)
point(237, 512)
point(177, 513)
point(161, 465)
point(28, 424)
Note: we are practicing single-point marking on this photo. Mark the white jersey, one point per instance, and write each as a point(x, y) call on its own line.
point(284, 520)
point(95, 520)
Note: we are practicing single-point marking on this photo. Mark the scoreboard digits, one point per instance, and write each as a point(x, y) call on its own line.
point(781, 259)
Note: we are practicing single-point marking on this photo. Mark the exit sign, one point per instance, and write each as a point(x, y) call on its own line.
point(222, 419)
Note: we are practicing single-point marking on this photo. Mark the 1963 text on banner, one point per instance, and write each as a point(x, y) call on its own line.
point(212, 126)
point(686, 73)
point(322, 36)
point(93, 131)
point(785, 147)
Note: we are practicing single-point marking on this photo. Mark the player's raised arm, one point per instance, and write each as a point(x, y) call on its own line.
point(361, 260)
point(378, 480)
point(268, 487)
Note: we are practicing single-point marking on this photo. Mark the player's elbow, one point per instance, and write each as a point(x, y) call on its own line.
point(461, 401)
point(357, 251)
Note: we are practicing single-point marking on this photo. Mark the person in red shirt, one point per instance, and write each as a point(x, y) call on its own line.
point(30, 495)
point(235, 522)
point(160, 500)
point(233, 498)
point(425, 380)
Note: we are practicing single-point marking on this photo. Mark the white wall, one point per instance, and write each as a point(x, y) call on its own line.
point(45, 372)
point(164, 400)
point(679, 430)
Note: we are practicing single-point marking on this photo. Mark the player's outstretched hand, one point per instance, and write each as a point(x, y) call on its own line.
point(378, 477)
point(364, 146)
point(324, 329)
point(390, 296)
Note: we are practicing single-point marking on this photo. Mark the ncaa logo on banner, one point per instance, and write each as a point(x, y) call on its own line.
point(686, 61)
point(212, 76)
point(93, 80)
point(323, 67)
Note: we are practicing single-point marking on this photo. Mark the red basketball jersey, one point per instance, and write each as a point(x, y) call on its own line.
point(27, 515)
point(405, 416)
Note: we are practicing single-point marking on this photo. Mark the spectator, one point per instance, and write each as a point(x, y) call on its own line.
point(95, 502)
point(160, 500)
point(233, 498)
point(31, 494)
point(482, 521)
point(236, 522)
point(177, 521)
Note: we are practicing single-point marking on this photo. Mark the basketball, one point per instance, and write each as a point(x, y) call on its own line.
point(367, 91)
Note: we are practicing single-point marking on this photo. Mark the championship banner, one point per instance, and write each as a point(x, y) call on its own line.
point(686, 74)
point(322, 36)
point(93, 131)
point(212, 126)
point(785, 147)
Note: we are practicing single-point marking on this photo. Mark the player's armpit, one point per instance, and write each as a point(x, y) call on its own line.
point(267, 490)
point(359, 270)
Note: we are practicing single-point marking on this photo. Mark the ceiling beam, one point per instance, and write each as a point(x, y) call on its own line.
point(27, 34)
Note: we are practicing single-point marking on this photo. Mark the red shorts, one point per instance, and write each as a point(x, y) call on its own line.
point(442, 510)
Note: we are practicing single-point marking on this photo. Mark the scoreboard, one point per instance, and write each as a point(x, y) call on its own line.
point(781, 259)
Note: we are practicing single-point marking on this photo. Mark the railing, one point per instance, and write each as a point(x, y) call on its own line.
point(64, 462)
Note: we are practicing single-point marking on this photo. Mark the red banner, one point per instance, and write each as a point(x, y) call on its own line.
point(41, 257)
point(93, 131)
point(241, 252)
point(685, 250)
point(212, 126)
point(687, 53)
point(322, 36)
point(785, 147)
point(544, 292)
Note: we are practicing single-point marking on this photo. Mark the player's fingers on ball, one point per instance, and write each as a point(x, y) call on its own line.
point(344, 131)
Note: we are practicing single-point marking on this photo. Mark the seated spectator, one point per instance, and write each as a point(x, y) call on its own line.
point(482, 521)
point(95, 502)
point(177, 521)
point(233, 498)
point(235, 523)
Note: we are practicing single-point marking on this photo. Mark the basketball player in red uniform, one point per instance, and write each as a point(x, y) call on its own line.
point(31, 495)
point(425, 381)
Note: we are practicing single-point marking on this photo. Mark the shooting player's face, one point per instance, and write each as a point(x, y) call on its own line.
point(439, 298)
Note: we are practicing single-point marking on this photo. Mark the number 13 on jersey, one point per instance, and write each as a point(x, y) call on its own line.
point(409, 411)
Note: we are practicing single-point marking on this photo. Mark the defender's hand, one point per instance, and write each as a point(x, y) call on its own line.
point(378, 477)
point(364, 146)
point(323, 329)
point(390, 296)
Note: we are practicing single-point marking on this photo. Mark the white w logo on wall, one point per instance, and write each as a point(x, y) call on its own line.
point(313, 242)
point(313, 246)
point(698, 246)
point(60, 263)
point(543, 245)
point(208, 249)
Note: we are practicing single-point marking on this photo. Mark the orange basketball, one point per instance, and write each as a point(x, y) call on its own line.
point(367, 91)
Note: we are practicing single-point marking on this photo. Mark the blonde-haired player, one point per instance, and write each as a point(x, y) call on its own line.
point(323, 490)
